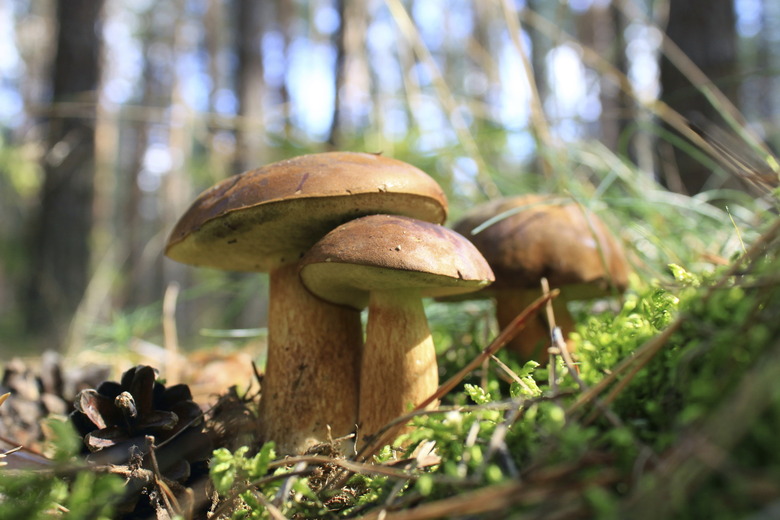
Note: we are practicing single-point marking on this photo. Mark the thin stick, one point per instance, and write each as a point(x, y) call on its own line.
point(170, 334)
point(557, 339)
point(511, 373)
point(552, 350)
point(170, 500)
point(273, 511)
point(284, 490)
point(492, 498)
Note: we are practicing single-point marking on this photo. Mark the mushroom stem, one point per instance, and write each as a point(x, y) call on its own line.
point(399, 367)
point(311, 374)
point(534, 339)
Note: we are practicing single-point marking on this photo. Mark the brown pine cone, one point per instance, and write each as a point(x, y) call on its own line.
point(116, 420)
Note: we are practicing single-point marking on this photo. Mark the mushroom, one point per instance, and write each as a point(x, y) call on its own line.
point(264, 220)
point(389, 263)
point(528, 237)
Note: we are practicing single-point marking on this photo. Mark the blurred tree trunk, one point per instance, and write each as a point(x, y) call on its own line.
point(60, 246)
point(705, 31)
point(340, 42)
point(222, 126)
point(601, 29)
point(355, 75)
point(285, 19)
point(541, 46)
point(250, 134)
point(135, 204)
point(768, 61)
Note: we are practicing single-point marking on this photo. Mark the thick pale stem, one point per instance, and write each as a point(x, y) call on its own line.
point(532, 342)
point(399, 367)
point(311, 376)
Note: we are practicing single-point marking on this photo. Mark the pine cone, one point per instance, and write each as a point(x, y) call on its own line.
point(116, 420)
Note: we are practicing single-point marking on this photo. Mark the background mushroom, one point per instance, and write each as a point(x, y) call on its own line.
point(389, 263)
point(264, 220)
point(528, 237)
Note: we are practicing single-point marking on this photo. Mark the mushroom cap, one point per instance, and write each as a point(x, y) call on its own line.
point(260, 219)
point(385, 252)
point(537, 236)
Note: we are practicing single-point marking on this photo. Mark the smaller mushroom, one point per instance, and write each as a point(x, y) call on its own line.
point(529, 237)
point(389, 264)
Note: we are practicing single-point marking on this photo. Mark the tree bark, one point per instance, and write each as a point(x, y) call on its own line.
point(250, 84)
point(340, 43)
point(60, 239)
point(705, 30)
point(601, 29)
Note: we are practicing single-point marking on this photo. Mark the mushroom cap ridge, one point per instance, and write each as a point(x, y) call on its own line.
point(384, 252)
point(257, 220)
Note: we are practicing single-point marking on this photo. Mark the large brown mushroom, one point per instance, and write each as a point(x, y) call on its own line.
point(264, 220)
point(528, 237)
point(389, 264)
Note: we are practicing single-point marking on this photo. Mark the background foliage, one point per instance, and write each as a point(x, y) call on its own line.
point(490, 98)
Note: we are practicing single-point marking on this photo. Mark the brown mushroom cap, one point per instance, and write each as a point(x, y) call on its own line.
point(262, 218)
point(545, 236)
point(384, 252)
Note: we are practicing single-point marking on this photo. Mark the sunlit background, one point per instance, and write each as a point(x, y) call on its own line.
point(191, 91)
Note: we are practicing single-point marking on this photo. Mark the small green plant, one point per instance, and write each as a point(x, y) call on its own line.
point(65, 490)
point(257, 487)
